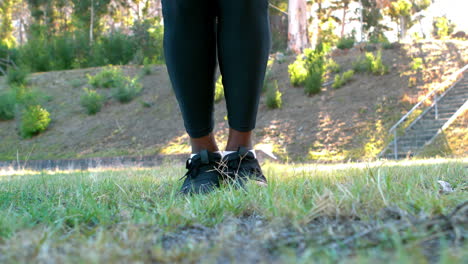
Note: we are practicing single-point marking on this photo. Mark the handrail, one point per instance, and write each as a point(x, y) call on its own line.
point(428, 96)
point(459, 112)
point(393, 130)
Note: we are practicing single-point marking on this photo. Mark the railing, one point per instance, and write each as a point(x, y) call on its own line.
point(393, 130)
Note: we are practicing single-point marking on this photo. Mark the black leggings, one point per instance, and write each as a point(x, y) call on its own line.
point(197, 34)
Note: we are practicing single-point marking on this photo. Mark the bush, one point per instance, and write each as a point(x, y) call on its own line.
point(147, 70)
point(417, 64)
point(315, 62)
point(273, 96)
point(27, 96)
point(116, 48)
point(34, 120)
point(219, 90)
point(370, 63)
point(442, 27)
point(363, 64)
point(17, 76)
point(313, 83)
point(298, 71)
point(107, 78)
point(377, 66)
point(343, 79)
point(333, 66)
point(7, 105)
point(127, 90)
point(345, 43)
point(91, 101)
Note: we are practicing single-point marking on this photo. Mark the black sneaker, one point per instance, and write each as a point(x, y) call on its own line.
point(241, 166)
point(202, 175)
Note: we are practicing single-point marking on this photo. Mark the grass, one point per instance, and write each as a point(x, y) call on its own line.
point(322, 213)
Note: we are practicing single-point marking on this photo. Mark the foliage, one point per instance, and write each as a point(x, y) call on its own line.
point(147, 69)
point(7, 105)
point(34, 120)
point(313, 83)
point(333, 66)
point(107, 78)
point(273, 96)
point(315, 61)
point(126, 90)
point(219, 90)
point(266, 80)
point(442, 27)
point(345, 42)
point(370, 63)
point(377, 66)
point(92, 101)
point(417, 64)
point(116, 49)
point(6, 25)
point(298, 71)
point(343, 79)
point(17, 76)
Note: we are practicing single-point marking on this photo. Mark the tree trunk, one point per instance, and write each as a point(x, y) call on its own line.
point(91, 24)
point(297, 36)
point(402, 27)
point(343, 20)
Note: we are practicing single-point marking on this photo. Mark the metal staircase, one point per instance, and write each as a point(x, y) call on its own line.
point(447, 105)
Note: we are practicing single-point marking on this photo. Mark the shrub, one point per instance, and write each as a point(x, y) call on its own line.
point(17, 76)
point(27, 96)
point(116, 48)
point(270, 64)
point(107, 78)
point(273, 96)
point(298, 72)
point(345, 42)
point(219, 90)
point(91, 101)
point(417, 64)
point(377, 66)
point(315, 62)
point(34, 120)
point(343, 79)
point(442, 27)
point(127, 90)
point(363, 64)
point(313, 83)
point(7, 105)
point(333, 66)
point(147, 70)
point(370, 63)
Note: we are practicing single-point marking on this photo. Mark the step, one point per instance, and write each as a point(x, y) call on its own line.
point(454, 97)
point(444, 115)
point(415, 139)
point(423, 130)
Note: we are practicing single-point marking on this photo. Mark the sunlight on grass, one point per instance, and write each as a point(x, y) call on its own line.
point(307, 212)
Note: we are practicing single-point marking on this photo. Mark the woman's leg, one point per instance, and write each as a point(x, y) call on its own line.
point(190, 52)
point(243, 49)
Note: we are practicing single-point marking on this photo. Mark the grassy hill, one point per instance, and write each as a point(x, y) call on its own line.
point(335, 125)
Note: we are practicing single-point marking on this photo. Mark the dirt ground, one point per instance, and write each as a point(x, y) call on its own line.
point(334, 125)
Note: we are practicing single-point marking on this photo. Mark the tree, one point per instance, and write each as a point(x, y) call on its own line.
point(403, 12)
point(298, 34)
point(6, 25)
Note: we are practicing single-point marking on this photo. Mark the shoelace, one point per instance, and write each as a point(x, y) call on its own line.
point(233, 163)
point(194, 164)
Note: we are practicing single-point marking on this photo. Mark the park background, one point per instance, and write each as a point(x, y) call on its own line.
point(92, 142)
